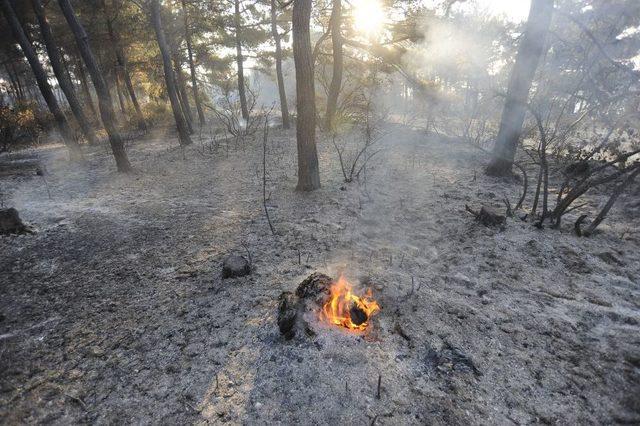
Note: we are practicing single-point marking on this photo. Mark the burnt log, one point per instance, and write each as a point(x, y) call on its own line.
point(287, 313)
point(315, 286)
point(358, 316)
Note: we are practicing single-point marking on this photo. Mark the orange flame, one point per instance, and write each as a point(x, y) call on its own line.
point(338, 309)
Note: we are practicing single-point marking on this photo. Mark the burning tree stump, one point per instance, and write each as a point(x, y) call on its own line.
point(318, 296)
point(313, 292)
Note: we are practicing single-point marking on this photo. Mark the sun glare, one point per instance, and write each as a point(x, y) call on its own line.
point(368, 17)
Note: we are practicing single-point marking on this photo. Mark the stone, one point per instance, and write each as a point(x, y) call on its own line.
point(235, 266)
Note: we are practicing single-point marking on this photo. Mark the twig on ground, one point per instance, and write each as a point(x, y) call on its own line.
point(400, 331)
point(78, 400)
point(265, 136)
point(249, 255)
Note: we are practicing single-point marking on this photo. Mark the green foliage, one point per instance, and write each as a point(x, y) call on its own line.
point(156, 112)
point(20, 125)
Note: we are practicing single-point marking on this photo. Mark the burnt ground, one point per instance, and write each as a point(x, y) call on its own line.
point(115, 310)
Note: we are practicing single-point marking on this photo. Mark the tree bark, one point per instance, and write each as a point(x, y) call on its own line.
point(284, 107)
point(156, 22)
point(240, 62)
point(99, 83)
point(123, 65)
point(182, 91)
point(336, 77)
point(612, 199)
point(55, 58)
point(21, 88)
point(41, 79)
point(529, 53)
point(85, 89)
point(192, 67)
point(308, 173)
point(116, 83)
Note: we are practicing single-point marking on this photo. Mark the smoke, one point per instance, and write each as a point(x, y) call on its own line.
point(454, 49)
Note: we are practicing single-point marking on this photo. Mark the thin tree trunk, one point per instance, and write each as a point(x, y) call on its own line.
point(116, 82)
point(85, 89)
point(529, 53)
point(41, 78)
point(21, 88)
point(284, 107)
point(156, 22)
point(612, 199)
point(122, 63)
point(240, 62)
point(19, 85)
point(182, 91)
point(192, 67)
point(308, 173)
point(102, 90)
point(61, 73)
point(336, 77)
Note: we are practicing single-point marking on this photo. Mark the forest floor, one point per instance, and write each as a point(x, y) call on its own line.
point(115, 311)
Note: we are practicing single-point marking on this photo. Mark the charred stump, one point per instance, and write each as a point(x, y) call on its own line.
point(312, 293)
point(10, 223)
point(235, 266)
point(487, 217)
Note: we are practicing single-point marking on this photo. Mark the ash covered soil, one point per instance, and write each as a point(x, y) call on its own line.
point(115, 311)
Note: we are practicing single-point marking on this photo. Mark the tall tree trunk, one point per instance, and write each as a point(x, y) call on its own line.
point(41, 78)
point(85, 89)
point(284, 107)
point(99, 83)
point(60, 71)
point(156, 22)
point(192, 67)
point(336, 77)
point(530, 51)
point(123, 65)
point(182, 91)
point(308, 173)
point(240, 61)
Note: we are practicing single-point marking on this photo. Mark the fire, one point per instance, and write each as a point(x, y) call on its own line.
point(348, 310)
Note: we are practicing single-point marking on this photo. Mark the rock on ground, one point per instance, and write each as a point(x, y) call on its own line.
point(235, 266)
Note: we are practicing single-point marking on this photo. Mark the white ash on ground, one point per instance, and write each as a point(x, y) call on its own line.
point(116, 311)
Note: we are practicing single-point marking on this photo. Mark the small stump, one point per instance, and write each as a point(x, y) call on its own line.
point(487, 216)
point(235, 266)
point(311, 294)
point(10, 223)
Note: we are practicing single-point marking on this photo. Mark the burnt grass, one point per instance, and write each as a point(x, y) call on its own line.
point(115, 309)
